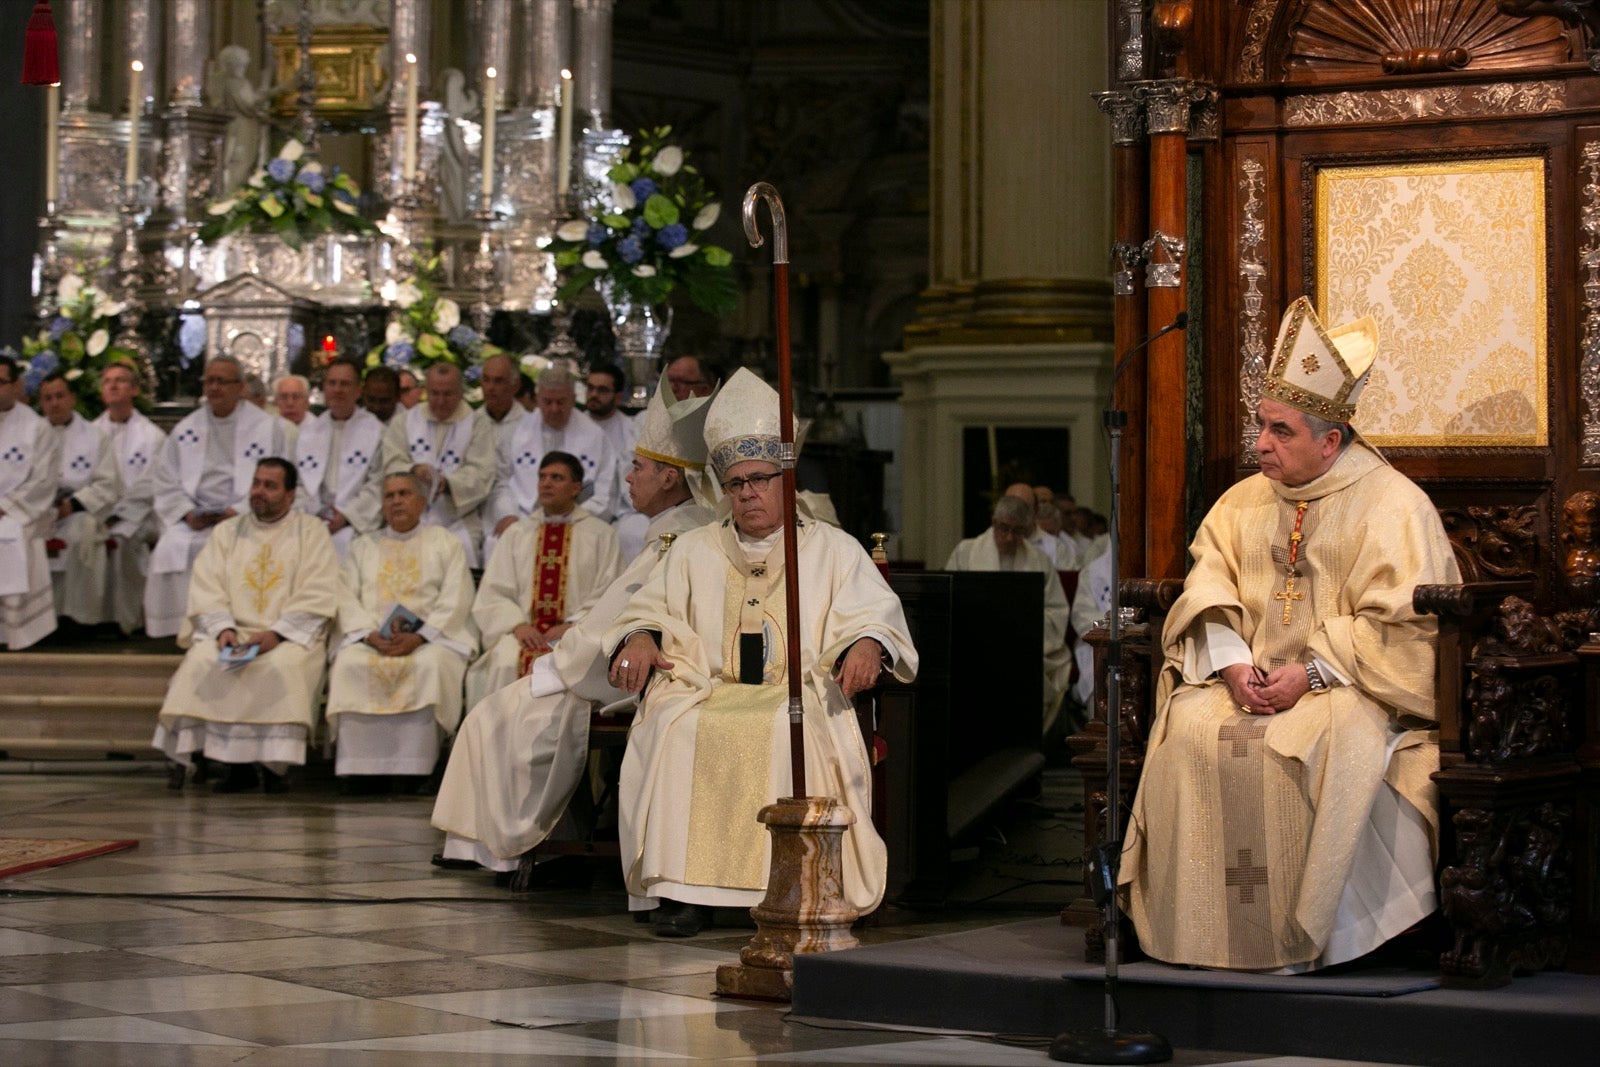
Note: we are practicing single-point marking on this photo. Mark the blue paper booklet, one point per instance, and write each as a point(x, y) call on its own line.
point(235, 656)
point(400, 620)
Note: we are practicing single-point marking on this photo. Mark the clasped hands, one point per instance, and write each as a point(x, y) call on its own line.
point(536, 639)
point(265, 641)
point(198, 520)
point(631, 666)
point(1257, 692)
point(402, 644)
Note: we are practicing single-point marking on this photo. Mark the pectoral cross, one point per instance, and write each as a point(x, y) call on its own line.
point(1289, 595)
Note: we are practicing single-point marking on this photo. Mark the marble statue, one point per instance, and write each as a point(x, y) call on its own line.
point(246, 103)
point(460, 105)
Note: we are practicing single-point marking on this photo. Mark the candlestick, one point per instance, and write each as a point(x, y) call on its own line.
point(130, 174)
point(52, 145)
point(410, 171)
point(490, 102)
point(564, 142)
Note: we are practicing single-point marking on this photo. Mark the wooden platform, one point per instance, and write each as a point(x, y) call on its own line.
point(82, 704)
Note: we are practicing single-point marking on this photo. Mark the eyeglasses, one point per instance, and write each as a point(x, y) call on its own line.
point(735, 486)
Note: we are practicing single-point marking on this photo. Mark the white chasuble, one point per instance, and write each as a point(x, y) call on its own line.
point(675, 835)
point(77, 544)
point(133, 525)
point(425, 570)
point(338, 465)
point(253, 577)
point(29, 467)
point(461, 450)
point(1301, 839)
point(206, 465)
point(524, 751)
point(508, 597)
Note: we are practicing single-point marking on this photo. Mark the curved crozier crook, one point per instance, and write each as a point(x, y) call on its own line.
point(780, 227)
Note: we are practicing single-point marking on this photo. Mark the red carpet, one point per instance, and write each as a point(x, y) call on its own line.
point(19, 855)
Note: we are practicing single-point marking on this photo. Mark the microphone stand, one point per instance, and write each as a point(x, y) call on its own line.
point(1108, 1043)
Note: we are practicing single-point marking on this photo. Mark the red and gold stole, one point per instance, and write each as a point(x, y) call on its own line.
point(549, 585)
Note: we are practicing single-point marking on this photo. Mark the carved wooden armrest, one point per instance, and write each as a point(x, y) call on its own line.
point(1151, 596)
point(1467, 600)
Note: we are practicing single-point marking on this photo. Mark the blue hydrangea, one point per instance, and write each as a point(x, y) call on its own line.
point(462, 336)
point(597, 234)
point(641, 228)
point(32, 379)
point(670, 237)
point(280, 170)
point(398, 356)
point(643, 188)
point(630, 249)
point(44, 362)
point(312, 180)
point(59, 327)
point(474, 373)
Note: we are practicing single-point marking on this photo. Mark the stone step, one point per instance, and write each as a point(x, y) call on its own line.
point(78, 703)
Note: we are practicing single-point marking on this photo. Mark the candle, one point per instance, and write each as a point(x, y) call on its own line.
point(410, 171)
point(564, 143)
point(491, 100)
point(52, 143)
point(130, 174)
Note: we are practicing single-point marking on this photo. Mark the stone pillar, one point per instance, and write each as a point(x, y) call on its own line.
point(592, 76)
point(1014, 328)
point(80, 39)
point(188, 43)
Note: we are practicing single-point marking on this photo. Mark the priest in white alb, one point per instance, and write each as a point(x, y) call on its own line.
point(547, 571)
point(133, 528)
point(203, 477)
point(523, 753)
point(450, 447)
point(88, 489)
point(30, 461)
point(1286, 819)
point(403, 640)
point(264, 589)
point(710, 745)
point(337, 456)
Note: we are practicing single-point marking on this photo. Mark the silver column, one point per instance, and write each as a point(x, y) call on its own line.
point(80, 56)
point(409, 31)
point(494, 33)
point(546, 48)
point(188, 42)
point(142, 33)
point(593, 73)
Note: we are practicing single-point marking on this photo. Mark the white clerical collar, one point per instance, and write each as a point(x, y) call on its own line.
point(393, 534)
point(759, 543)
point(559, 520)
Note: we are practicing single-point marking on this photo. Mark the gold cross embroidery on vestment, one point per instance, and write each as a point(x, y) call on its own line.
point(263, 576)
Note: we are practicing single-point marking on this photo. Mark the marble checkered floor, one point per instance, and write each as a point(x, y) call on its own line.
point(310, 929)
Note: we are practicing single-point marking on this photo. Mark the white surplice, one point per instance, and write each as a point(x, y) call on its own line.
point(89, 474)
point(29, 466)
point(338, 464)
point(387, 713)
point(207, 464)
point(522, 451)
point(461, 450)
point(137, 442)
point(252, 577)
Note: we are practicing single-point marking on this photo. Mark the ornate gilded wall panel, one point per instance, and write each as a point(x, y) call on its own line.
point(1250, 192)
point(1421, 102)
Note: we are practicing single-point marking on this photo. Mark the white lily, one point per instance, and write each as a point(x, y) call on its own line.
point(446, 315)
point(74, 374)
point(70, 288)
point(406, 294)
point(644, 270)
point(340, 205)
point(623, 197)
point(97, 342)
point(706, 216)
point(291, 150)
point(221, 207)
point(668, 160)
point(105, 307)
point(312, 168)
point(688, 248)
point(576, 230)
point(393, 332)
point(594, 260)
point(258, 179)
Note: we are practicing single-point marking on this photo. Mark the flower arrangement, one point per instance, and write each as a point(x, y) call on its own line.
point(293, 197)
point(78, 342)
point(648, 237)
point(428, 329)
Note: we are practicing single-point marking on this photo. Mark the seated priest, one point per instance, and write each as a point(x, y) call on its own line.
point(547, 571)
point(405, 637)
point(337, 456)
point(705, 640)
point(203, 476)
point(1004, 547)
point(450, 447)
point(264, 588)
point(132, 527)
point(30, 462)
point(523, 753)
point(85, 494)
point(1286, 820)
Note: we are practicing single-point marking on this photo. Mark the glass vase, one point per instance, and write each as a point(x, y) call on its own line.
point(641, 331)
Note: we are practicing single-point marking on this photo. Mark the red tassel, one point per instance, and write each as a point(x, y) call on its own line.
point(40, 64)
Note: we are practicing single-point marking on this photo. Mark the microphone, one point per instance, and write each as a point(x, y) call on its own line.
point(1179, 322)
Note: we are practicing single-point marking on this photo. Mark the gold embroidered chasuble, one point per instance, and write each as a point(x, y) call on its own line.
point(1245, 829)
point(425, 570)
point(707, 752)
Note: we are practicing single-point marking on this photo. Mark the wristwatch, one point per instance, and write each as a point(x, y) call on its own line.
point(1314, 676)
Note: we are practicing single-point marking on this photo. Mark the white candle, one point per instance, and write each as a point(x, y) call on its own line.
point(491, 100)
point(52, 142)
point(130, 173)
point(410, 171)
point(564, 142)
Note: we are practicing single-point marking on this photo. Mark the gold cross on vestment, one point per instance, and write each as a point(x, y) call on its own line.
point(1289, 594)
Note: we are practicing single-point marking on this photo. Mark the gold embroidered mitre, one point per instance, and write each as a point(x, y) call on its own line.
point(1320, 371)
point(673, 431)
point(743, 423)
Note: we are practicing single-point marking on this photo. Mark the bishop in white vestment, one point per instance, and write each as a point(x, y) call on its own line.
point(710, 745)
point(264, 588)
point(523, 753)
point(547, 571)
point(201, 478)
point(450, 447)
point(337, 455)
point(395, 686)
point(85, 495)
point(132, 527)
point(30, 462)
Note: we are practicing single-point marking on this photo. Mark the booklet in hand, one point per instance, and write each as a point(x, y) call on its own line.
point(233, 657)
point(400, 620)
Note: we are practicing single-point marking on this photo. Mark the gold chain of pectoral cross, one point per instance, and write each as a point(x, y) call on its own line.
point(1290, 594)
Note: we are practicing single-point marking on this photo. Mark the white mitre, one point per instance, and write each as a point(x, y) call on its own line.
point(1320, 371)
point(743, 423)
point(673, 431)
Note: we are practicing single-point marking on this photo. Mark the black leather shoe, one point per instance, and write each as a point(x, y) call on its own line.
point(274, 783)
point(440, 860)
point(240, 778)
point(676, 919)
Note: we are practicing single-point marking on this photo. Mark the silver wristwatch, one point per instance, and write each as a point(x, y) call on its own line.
point(1314, 677)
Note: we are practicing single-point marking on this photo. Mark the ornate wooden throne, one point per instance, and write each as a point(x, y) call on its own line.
point(1435, 163)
